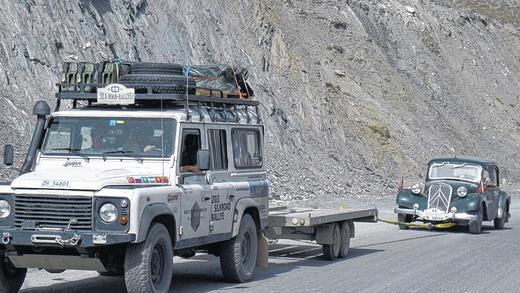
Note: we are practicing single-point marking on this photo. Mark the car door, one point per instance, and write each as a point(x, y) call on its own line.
point(493, 192)
point(196, 192)
point(222, 188)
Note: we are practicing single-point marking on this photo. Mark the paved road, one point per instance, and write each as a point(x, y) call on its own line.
point(382, 259)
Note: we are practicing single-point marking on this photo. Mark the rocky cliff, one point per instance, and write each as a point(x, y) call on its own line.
point(355, 93)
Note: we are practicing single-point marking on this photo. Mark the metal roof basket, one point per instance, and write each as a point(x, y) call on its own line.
point(155, 84)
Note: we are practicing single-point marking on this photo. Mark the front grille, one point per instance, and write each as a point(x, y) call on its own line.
point(47, 211)
point(439, 196)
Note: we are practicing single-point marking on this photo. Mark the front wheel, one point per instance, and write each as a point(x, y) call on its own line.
point(238, 255)
point(11, 278)
point(500, 223)
point(149, 264)
point(475, 227)
point(404, 219)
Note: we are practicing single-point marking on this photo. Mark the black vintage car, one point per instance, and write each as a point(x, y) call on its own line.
point(462, 190)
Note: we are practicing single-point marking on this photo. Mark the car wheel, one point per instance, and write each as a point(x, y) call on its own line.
point(500, 223)
point(402, 218)
point(475, 227)
point(159, 83)
point(11, 278)
point(238, 255)
point(149, 264)
point(331, 251)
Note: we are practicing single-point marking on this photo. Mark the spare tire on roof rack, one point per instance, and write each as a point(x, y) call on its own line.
point(159, 83)
point(156, 68)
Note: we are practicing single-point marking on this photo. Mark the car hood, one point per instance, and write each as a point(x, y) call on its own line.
point(76, 178)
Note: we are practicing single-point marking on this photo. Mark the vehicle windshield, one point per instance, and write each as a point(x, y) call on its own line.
point(456, 171)
point(110, 136)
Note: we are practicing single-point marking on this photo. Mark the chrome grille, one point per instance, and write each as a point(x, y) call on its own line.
point(53, 211)
point(439, 196)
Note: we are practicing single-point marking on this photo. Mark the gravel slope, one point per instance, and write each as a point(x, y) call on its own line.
point(355, 93)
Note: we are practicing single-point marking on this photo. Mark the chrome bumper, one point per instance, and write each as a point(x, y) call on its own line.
point(424, 215)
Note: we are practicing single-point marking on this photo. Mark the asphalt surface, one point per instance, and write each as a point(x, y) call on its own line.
point(382, 259)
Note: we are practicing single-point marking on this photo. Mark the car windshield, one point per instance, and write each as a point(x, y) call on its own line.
point(114, 136)
point(456, 171)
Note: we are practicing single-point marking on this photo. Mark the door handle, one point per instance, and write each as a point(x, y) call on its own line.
point(206, 198)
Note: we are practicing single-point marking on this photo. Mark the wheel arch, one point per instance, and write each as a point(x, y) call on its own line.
point(243, 206)
point(157, 213)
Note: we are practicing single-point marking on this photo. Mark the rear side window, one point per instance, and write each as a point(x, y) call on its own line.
point(246, 148)
point(218, 148)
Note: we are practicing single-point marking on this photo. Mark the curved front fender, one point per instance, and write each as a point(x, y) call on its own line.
point(405, 198)
point(149, 214)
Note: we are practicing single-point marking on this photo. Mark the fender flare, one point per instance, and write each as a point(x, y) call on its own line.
point(150, 212)
point(240, 207)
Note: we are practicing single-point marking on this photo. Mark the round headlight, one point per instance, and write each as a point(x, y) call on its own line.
point(462, 191)
point(416, 189)
point(108, 213)
point(5, 209)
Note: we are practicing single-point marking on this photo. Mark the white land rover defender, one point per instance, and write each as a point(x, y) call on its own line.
point(146, 164)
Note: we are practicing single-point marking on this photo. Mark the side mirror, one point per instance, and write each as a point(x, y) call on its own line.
point(8, 155)
point(421, 176)
point(203, 159)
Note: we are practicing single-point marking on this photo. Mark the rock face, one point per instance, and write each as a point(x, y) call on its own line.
point(355, 93)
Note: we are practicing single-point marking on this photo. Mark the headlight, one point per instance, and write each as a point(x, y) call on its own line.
point(108, 213)
point(462, 191)
point(416, 189)
point(5, 209)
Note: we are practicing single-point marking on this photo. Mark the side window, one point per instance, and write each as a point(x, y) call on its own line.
point(190, 146)
point(246, 148)
point(218, 149)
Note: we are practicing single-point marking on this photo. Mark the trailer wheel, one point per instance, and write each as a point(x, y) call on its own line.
point(149, 264)
point(238, 255)
point(331, 251)
point(345, 239)
point(11, 278)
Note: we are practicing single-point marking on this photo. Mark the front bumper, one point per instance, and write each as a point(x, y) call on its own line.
point(77, 239)
point(437, 217)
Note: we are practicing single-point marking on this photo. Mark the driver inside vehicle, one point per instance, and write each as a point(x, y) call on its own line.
point(189, 154)
point(99, 143)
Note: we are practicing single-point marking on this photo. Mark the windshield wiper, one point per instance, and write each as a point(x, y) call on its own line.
point(124, 152)
point(74, 151)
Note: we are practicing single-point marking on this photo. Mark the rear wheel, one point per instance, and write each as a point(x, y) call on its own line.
point(345, 239)
point(238, 255)
point(331, 251)
point(11, 278)
point(402, 218)
point(475, 227)
point(149, 264)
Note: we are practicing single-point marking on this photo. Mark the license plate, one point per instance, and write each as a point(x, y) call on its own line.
point(116, 94)
point(434, 215)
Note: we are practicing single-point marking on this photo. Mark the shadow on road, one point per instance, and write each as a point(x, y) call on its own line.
point(202, 272)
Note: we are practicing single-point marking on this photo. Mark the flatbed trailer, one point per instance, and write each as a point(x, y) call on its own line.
point(332, 228)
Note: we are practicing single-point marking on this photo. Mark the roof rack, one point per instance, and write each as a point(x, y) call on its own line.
point(82, 82)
